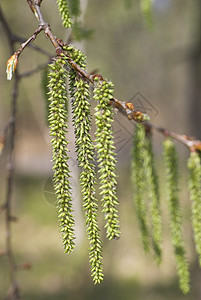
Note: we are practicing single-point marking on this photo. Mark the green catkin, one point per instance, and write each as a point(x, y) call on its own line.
point(76, 55)
point(153, 193)
point(74, 7)
point(194, 168)
point(79, 32)
point(138, 176)
point(58, 129)
point(79, 91)
point(64, 12)
point(146, 8)
point(170, 157)
point(103, 92)
point(85, 150)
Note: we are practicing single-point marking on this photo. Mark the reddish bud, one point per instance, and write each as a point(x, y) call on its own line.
point(130, 105)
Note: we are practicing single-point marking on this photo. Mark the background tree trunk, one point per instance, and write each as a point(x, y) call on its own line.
point(194, 98)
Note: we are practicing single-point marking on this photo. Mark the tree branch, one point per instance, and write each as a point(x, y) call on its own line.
point(30, 40)
point(14, 289)
point(190, 142)
point(124, 107)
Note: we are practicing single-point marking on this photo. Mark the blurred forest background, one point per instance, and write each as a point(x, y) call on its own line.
point(159, 71)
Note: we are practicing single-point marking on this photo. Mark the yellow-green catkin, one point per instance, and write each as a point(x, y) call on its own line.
point(64, 12)
point(85, 150)
point(58, 128)
point(170, 157)
point(138, 177)
point(103, 93)
point(154, 198)
point(194, 168)
point(80, 101)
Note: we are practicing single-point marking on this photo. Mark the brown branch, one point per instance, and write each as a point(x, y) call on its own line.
point(190, 142)
point(30, 40)
point(12, 38)
point(8, 133)
point(3, 135)
point(14, 289)
point(13, 292)
point(19, 39)
point(124, 107)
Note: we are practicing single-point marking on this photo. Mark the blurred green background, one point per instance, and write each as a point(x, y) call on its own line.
point(162, 67)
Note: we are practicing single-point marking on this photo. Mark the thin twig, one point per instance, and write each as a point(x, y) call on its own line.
point(14, 289)
point(15, 38)
point(190, 142)
point(30, 40)
point(19, 39)
point(37, 69)
point(13, 292)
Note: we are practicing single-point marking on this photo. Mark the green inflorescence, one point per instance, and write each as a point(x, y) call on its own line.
point(138, 179)
point(74, 7)
point(58, 129)
point(79, 32)
point(79, 90)
point(144, 175)
point(103, 93)
point(194, 168)
point(76, 55)
point(145, 182)
point(175, 215)
point(138, 175)
point(64, 12)
point(153, 194)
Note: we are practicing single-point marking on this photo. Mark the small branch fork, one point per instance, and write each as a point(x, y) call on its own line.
point(125, 107)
